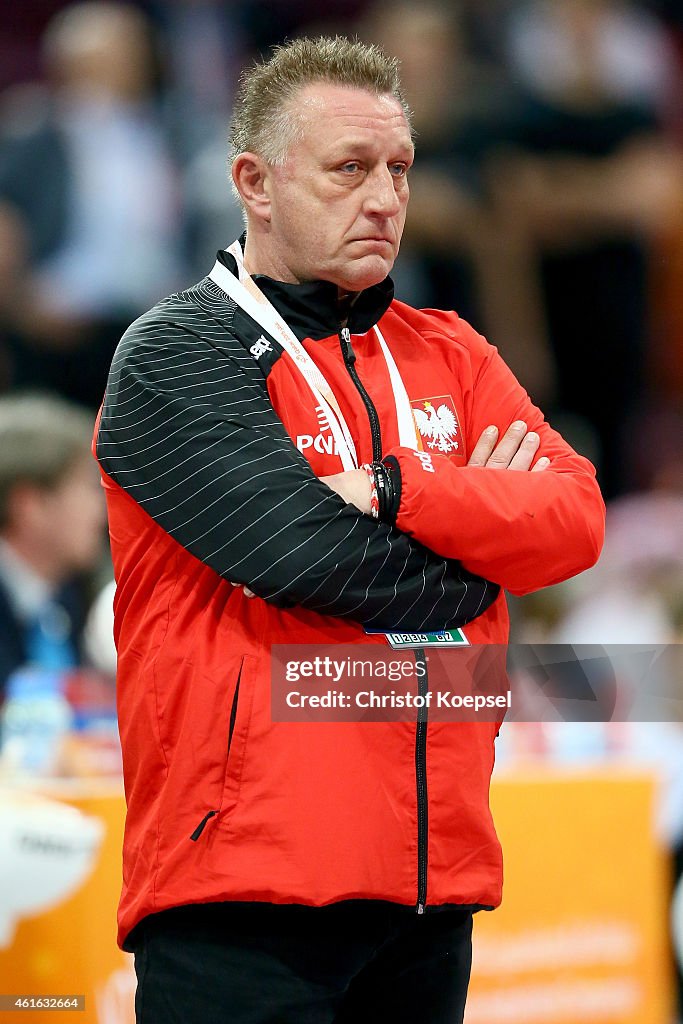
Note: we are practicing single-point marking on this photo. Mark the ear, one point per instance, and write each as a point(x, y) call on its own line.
point(251, 174)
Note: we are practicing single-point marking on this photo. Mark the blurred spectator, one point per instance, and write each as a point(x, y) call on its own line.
point(206, 46)
point(635, 592)
point(451, 111)
point(591, 179)
point(51, 530)
point(458, 252)
point(604, 48)
point(89, 201)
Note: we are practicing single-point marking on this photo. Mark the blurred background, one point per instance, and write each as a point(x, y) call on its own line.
point(547, 209)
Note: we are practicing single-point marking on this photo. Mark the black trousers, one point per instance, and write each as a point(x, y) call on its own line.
point(354, 962)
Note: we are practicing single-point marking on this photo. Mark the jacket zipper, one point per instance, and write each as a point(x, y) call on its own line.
point(350, 363)
point(421, 728)
point(231, 728)
point(200, 827)
point(421, 782)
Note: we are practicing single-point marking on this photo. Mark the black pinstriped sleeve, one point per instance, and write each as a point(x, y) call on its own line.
point(189, 432)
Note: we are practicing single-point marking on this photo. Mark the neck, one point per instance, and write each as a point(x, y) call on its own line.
point(258, 260)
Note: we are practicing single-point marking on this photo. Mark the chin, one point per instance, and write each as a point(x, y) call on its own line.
point(369, 272)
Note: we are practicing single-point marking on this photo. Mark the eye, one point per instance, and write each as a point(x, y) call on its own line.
point(398, 170)
point(350, 167)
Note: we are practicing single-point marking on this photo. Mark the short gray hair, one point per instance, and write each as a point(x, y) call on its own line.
point(263, 119)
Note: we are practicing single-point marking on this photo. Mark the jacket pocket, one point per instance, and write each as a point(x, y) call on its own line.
point(234, 747)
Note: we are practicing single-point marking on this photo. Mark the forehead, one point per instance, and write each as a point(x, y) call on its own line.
point(330, 112)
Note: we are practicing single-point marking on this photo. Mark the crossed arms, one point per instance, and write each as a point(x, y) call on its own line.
point(522, 530)
point(189, 432)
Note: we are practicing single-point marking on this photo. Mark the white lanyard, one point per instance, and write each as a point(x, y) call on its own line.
point(408, 435)
point(249, 297)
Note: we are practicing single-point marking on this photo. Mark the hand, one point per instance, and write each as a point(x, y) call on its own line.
point(517, 450)
point(245, 589)
point(353, 486)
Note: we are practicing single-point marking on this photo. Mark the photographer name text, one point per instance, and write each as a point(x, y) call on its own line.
point(392, 699)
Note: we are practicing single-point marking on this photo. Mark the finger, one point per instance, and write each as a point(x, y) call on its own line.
point(508, 447)
point(527, 452)
point(484, 447)
point(246, 590)
point(541, 465)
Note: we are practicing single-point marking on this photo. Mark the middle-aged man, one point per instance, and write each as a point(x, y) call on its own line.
point(51, 521)
point(288, 426)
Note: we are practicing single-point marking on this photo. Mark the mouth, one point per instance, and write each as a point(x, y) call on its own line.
point(374, 240)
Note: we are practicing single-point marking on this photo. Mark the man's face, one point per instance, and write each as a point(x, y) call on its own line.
point(338, 203)
point(67, 520)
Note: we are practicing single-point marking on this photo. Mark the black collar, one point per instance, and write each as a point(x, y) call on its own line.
point(312, 310)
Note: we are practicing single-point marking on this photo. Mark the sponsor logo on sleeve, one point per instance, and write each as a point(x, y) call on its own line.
point(426, 461)
point(260, 347)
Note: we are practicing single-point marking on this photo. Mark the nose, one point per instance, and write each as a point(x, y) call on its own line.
point(381, 198)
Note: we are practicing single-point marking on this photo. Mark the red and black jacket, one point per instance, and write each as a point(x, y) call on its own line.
point(205, 484)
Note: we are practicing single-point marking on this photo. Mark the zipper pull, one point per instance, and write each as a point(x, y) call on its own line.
point(200, 827)
point(420, 908)
point(347, 348)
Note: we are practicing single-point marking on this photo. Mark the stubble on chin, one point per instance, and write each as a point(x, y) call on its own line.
point(359, 278)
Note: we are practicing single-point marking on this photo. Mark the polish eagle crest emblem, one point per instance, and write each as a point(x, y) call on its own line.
point(437, 423)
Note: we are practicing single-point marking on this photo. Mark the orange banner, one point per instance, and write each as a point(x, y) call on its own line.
point(580, 939)
point(67, 945)
point(581, 936)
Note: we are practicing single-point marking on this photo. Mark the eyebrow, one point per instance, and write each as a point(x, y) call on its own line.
point(357, 145)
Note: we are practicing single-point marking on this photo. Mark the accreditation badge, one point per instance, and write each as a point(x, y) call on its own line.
point(411, 641)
